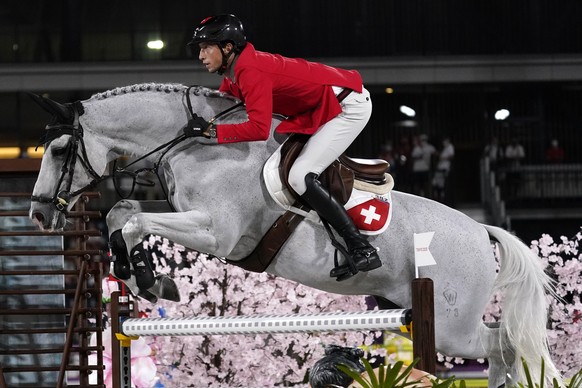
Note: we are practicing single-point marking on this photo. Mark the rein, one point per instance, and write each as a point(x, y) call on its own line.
point(61, 197)
point(171, 144)
point(219, 115)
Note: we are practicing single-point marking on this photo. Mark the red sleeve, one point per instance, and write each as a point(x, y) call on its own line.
point(224, 86)
point(257, 93)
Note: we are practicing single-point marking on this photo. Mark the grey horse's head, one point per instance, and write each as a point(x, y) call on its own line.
point(63, 143)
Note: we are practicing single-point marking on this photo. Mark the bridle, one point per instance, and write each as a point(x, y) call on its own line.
point(62, 196)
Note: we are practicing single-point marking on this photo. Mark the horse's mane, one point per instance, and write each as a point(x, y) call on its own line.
point(159, 87)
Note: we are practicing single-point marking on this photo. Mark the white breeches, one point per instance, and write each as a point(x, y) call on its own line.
point(331, 139)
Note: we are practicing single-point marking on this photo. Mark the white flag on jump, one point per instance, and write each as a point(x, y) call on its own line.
point(422, 256)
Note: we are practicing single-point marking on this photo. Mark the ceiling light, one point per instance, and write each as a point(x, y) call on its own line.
point(9, 152)
point(155, 44)
point(501, 114)
point(408, 111)
point(35, 152)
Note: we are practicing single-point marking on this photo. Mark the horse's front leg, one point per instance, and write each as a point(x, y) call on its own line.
point(118, 217)
point(192, 229)
point(120, 266)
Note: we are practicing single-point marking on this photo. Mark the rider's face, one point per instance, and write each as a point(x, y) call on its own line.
point(211, 56)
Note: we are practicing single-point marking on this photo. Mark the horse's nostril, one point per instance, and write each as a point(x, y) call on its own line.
point(38, 217)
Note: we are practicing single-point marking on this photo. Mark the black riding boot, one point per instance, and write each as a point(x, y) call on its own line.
point(363, 254)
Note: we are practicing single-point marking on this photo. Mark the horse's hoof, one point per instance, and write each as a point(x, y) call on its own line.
point(129, 283)
point(145, 294)
point(165, 288)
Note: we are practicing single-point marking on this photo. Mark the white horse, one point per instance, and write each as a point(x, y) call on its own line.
point(222, 208)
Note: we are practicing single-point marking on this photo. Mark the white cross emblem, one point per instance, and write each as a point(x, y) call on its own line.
point(370, 214)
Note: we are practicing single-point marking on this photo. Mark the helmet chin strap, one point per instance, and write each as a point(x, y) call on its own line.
point(225, 58)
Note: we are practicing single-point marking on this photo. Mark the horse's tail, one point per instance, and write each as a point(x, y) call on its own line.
point(524, 286)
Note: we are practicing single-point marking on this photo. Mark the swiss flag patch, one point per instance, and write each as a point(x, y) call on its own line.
point(371, 215)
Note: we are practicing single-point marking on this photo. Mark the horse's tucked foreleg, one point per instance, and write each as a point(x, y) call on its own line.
point(192, 229)
point(123, 210)
point(120, 264)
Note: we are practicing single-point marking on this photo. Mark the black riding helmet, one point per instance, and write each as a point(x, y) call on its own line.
point(220, 30)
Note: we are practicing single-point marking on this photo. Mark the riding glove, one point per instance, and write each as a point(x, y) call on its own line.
point(196, 127)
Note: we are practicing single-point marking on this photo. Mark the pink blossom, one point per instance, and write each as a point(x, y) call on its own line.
point(209, 287)
point(108, 284)
point(143, 368)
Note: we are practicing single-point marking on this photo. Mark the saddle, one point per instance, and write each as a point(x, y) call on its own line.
point(338, 178)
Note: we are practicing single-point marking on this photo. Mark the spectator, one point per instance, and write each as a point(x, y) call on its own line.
point(514, 153)
point(555, 153)
point(494, 152)
point(403, 176)
point(443, 169)
point(387, 154)
point(422, 153)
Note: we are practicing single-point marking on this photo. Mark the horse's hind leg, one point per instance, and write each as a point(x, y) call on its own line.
point(501, 359)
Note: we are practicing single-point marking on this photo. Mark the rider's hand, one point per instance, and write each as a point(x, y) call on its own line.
point(196, 127)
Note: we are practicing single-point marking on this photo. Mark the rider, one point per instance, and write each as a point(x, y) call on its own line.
point(306, 93)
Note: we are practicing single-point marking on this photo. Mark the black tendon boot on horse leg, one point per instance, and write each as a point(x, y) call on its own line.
point(147, 281)
point(121, 266)
point(118, 249)
point(142, 267)
point(362, 255)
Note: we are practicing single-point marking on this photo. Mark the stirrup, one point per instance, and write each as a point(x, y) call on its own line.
point(346, 271)
point(369, 254)
point(342, 272)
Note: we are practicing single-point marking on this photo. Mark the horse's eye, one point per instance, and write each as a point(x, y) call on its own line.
point(58, 151)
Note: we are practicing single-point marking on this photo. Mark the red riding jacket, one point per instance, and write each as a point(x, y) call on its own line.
point(270, 83)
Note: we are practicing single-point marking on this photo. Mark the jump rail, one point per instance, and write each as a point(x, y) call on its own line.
point(419, 320)
point(269, 324)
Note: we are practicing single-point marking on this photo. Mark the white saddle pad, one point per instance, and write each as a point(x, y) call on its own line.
point(369, 205)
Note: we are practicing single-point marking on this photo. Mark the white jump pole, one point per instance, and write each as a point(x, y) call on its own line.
point(127, 329)
point(268, 324)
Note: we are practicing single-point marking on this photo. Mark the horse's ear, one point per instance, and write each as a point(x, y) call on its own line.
point(52, 107)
